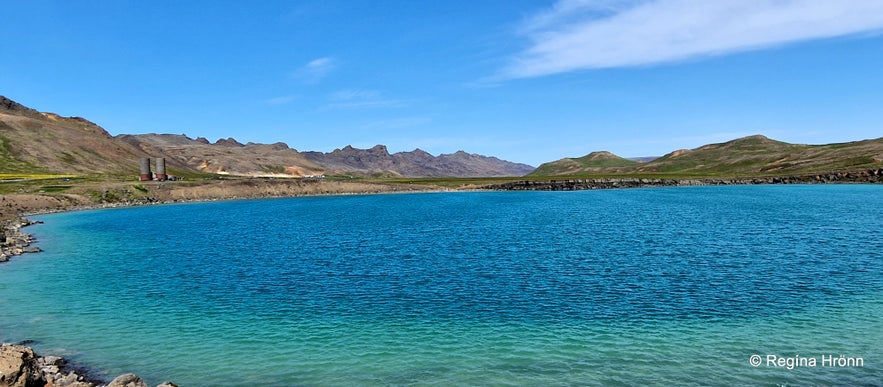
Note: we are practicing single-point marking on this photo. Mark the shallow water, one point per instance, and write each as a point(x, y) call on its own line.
point(673, 286)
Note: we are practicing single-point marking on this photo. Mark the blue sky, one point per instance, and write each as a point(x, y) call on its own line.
point(526, 81)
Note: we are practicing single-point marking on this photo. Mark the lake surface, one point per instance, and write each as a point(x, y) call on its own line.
point(668, 286)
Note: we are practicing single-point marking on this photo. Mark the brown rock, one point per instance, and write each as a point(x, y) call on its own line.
point(66, 380)
point(18, 367)
point(127, 380)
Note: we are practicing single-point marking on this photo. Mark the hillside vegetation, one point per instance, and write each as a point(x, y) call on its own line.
point(34, 142)
point(595, 162)
point(748, 156)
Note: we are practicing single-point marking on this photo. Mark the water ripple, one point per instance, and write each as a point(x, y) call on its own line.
point(655, 286)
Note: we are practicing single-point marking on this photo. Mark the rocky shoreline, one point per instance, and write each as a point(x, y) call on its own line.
point(20, 366)
point(15, 242)
point(867, 176)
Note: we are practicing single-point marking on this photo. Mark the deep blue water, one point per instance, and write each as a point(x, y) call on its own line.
point(673, 286)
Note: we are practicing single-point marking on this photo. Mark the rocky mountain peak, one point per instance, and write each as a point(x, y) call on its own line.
point(601, 155)
point(229, 141)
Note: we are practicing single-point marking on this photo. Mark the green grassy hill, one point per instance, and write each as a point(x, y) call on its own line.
point(754, 155)
point(595, 162)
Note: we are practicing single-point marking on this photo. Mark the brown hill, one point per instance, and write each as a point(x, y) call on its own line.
point(31, 141)
point(226, 156)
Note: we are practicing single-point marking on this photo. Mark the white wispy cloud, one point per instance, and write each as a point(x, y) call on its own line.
point(362, 98)
point(591, 34)
point(315, 70)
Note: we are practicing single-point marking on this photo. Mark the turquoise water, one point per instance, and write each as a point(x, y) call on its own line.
point(673, 286)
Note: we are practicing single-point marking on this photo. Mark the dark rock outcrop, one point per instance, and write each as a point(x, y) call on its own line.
point(12, 106)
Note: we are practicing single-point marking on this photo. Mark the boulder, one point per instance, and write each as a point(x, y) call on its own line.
point(127, 380)
point(18, 367)
point(66, 380)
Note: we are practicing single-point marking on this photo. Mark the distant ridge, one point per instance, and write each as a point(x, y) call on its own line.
point(751, 155)
point(225, 156)
point(417, 163)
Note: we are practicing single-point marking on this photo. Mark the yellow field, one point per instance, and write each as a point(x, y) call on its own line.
point(27, 176)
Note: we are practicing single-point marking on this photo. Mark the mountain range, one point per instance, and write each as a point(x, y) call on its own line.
point(36, 142)
point(31, 141)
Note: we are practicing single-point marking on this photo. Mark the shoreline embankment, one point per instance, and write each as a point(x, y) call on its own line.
point(871, 176)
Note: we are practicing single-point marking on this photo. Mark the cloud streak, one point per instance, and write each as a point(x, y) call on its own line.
point(592, 34)
point(315, 70)
point(362, 99)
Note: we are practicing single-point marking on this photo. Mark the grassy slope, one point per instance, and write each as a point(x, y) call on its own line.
point(10, 161)
point(39, 144)
point(593, 162)
point(748, 156)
